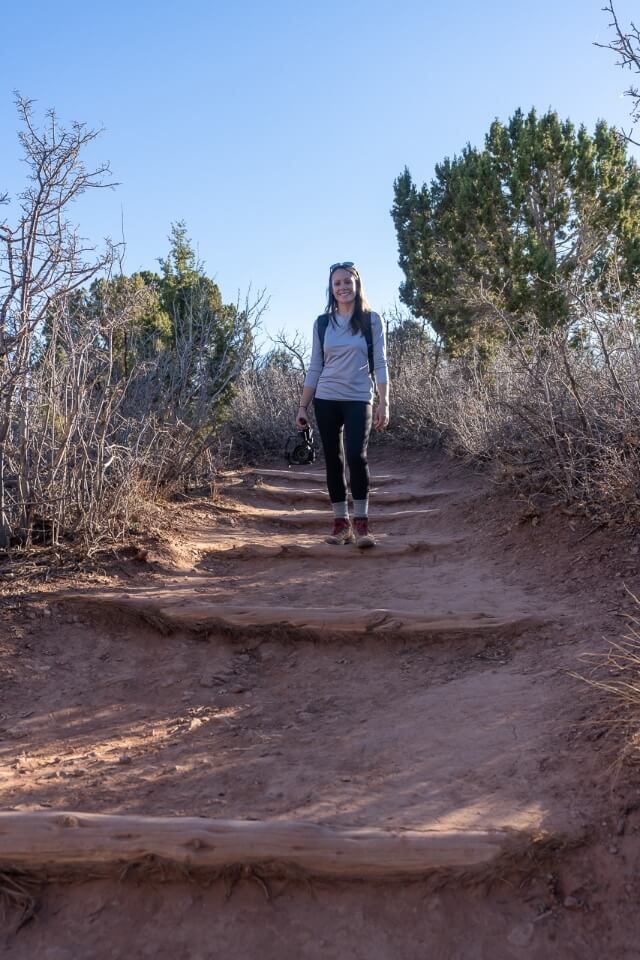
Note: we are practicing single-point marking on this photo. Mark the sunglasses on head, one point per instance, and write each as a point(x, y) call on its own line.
point(345, 264)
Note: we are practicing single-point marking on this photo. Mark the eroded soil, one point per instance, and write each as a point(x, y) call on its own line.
point(425, 684)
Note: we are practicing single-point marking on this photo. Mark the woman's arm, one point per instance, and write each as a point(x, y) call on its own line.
point(311, 381)
point(302, 418)
point(381, 417)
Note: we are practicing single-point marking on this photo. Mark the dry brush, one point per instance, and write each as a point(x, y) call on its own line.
point(80, 430)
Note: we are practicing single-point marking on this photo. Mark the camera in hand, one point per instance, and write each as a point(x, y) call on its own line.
point(299, 448)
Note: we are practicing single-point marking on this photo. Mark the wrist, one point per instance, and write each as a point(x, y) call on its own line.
point(302, 407)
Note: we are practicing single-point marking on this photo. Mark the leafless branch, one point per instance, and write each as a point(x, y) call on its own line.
point(295, 344)
point(626, 44)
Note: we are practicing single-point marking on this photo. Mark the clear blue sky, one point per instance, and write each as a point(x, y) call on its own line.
point(276, 130)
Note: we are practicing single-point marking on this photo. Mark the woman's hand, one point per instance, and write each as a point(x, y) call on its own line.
point(381, 419)
point(302, 419)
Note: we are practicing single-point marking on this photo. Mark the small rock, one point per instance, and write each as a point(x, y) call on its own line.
point(124, 759)
point(521, 936)
point(571, 903)
point(613, 849)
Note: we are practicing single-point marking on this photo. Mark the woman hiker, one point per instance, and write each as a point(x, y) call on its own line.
point(348, 348)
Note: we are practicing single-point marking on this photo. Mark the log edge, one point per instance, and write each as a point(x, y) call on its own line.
point(66, 840)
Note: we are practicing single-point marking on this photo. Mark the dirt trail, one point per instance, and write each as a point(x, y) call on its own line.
point(424, 686)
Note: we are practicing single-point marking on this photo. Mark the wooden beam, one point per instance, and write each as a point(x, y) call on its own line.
point(54, 841)
point(182, 612)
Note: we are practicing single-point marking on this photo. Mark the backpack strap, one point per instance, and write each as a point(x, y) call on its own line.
point(323, 323)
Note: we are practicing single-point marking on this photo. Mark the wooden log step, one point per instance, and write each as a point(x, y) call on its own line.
point(385, 548)
point(314, 518)
point(294, 495)
point(190, 613)
point(53, 842)
point(300, 475)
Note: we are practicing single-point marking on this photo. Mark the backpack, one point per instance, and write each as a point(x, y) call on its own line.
point(323, 323)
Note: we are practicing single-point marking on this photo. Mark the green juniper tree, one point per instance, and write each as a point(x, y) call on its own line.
point(508, 231)
point(214, 336)
point(145, 327)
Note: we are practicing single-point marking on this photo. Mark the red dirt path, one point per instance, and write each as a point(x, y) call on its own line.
point(425, 684)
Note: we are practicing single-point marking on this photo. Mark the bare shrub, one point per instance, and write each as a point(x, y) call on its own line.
point(42, 261)
point(262, 414)
point(626, 43)
point(181, 397)
point(439, 402)
point(93, 406)
point(554, 412)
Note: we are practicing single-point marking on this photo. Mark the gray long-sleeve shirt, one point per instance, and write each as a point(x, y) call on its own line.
point(345, 372)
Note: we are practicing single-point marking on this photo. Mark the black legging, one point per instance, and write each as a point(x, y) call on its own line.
point(351, 418)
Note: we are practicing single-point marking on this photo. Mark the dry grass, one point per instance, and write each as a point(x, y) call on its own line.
point(616, 675)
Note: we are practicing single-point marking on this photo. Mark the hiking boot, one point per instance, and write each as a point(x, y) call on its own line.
point(342, 532)
point(364, 538)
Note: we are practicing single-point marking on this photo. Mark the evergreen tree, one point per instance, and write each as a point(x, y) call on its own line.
point(508, 231)
point(144, 326)
point(216, 337)
point(189, 297)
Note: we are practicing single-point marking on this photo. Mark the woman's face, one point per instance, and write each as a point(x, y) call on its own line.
point(343, 287)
